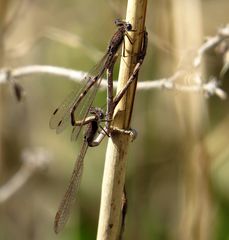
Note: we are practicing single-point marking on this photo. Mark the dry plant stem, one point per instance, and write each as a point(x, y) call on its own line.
point(115, 163)
point(3, 12)
point(195, 205)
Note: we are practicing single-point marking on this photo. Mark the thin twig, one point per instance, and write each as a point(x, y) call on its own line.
point(18, 12)
point(72, 40)
point(32, 161)
point(211, 42)
point(210, 88)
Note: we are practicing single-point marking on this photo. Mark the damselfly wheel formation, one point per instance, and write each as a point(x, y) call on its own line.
point(77, 111)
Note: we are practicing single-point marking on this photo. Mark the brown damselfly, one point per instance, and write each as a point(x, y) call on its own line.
point(78, 103)
point(92, 127)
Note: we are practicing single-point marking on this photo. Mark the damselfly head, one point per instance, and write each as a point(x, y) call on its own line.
point(118, 22)
point(121, 23)
point(98, 112)
point(128, 26)
point(101, 115)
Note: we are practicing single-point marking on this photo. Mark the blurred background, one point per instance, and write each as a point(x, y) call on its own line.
point(177, 178)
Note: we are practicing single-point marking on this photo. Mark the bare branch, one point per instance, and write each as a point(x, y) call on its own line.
point(32, 161)
point(210, 88)
point(72, 40)
point(211, 42)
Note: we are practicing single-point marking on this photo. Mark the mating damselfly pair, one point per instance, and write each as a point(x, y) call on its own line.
point(78, 111)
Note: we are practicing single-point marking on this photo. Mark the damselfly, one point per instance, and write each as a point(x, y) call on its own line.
point(113, 101)
point(63, 212)
point(73, 107)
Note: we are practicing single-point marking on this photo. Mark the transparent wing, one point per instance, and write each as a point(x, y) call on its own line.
point(61, 116)
point(85, 110)
point(64, 209)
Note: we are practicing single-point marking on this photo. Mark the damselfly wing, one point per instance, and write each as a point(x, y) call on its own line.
point(68, 200)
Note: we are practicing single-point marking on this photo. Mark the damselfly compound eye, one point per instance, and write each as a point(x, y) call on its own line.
point(101, 115)
point(128, 27)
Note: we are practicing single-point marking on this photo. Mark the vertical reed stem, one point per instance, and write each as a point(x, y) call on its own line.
point(115, 162)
